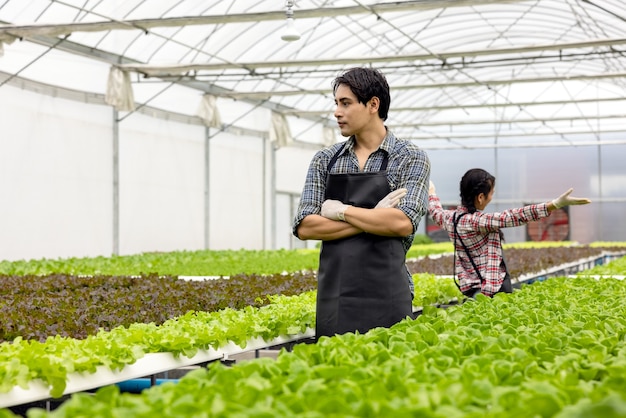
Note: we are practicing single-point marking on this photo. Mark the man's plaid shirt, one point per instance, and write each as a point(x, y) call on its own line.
point(480, 232)
point(408, 167)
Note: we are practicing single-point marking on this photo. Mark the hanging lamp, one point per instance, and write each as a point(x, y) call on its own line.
point(290, 33)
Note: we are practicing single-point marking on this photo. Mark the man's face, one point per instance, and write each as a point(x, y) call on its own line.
point(351, 115)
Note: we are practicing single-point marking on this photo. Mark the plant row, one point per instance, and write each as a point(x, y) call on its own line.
point(519, 261)
point(36, 307)
point(616, 267)
point(188, 263)
point(218, 263)
point(51, 361)
point(554, 349)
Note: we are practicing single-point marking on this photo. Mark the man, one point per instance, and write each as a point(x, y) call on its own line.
point(364, 198)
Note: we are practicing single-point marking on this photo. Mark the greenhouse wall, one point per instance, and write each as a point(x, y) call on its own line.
point(236, 195)
point(161, 185)
point(291, 167)
point(58, 166)
point(531, 175)
point(56, 170)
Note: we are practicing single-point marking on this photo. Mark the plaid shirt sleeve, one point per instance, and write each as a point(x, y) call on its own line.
point(480, 232)
point(314, 187)
point(489, 222)
point(414, 174)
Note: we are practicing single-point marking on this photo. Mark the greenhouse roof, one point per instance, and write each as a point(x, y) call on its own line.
point(463, 74)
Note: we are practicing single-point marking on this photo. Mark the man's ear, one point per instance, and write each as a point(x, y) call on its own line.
point(373, 104)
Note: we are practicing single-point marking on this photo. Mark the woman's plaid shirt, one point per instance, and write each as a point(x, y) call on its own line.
point(480, 232)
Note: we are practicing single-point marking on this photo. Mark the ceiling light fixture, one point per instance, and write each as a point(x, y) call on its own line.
point(290, 33)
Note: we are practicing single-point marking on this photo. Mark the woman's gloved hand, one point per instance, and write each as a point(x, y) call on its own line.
point(566, 200)
point(431, 188)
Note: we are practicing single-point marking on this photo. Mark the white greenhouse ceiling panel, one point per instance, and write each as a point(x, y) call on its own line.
point(463, 74)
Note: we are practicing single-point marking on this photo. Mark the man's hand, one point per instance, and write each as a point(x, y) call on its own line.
point(431, 188)
point(392, 199)
point(334, 209)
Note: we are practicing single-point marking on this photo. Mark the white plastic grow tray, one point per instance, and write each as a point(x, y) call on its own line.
point(150, 364)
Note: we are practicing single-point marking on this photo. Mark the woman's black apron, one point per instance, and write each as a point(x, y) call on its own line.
point(362, 279)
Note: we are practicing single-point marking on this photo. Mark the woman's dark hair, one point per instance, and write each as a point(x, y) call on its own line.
point(473, 183)
point(366, 83)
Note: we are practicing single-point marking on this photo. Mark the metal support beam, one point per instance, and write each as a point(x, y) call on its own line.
point(178, 69)
point(116, 183)
point(207, 188)
point(438, 86)
point(466, 122)
point(465, 135)
point(396, 110)
point(544, 144)
point(22, 31)
point(114, 59)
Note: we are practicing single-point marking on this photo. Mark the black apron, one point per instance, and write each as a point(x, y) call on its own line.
point(362, 279)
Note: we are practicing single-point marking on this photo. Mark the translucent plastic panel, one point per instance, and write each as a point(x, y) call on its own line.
point(530, 175)
point(442, 63)
point(54, 67)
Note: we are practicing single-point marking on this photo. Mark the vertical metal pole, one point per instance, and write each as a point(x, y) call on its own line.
point(292, 214)
point(273, 199)
point(264, 189)
point(207, 187)
point(599, 216)
point(116, 183)
point(495, 136)
point(599, 211)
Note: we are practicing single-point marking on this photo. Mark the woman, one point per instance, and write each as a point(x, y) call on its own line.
point(477, 237)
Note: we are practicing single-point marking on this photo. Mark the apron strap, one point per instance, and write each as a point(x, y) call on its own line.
point(333, 160)
point(456, 235)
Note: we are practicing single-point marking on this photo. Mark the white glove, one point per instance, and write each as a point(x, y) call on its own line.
point(334, 209)
point(392, 199)
point(431, 187)
point(566, 200)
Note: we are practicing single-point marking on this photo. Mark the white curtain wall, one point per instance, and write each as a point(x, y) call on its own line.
point(55, 177)
point(58, 165)
point(57, 180)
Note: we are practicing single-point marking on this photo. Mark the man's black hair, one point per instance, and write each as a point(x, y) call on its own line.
point(366, 83)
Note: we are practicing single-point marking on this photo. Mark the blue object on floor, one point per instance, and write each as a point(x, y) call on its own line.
point(138, 385)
